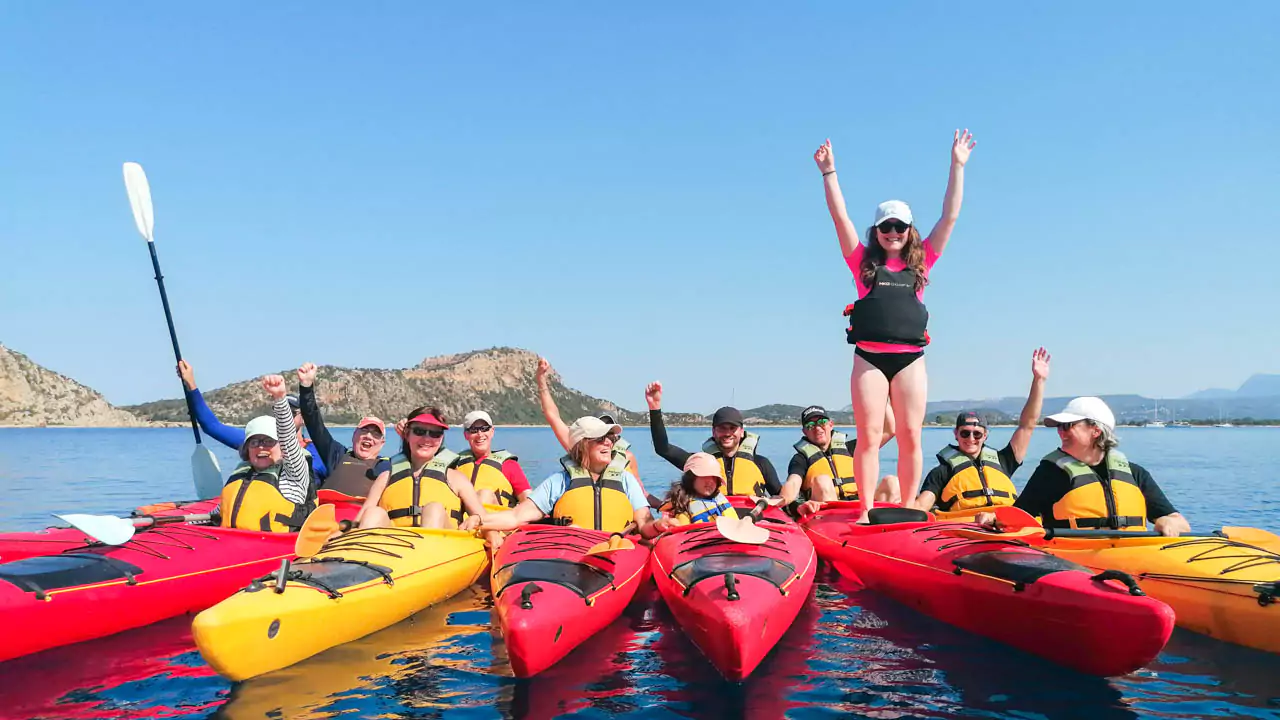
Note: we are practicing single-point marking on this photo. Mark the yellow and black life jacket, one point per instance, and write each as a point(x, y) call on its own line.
point(836, 462)
point(406, 493)
point(705, 510)
point(251, 500)
point(973, 484)
point(487, 474)
point(600, 504)
point(742, 475)
point(1115, 502)
point(351, 477)
point(620, 458)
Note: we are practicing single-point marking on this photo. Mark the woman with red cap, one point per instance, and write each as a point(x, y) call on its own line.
point(421, 489)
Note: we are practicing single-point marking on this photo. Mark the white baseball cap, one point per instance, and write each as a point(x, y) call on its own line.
point(475, 415)
point(590, 428)
point(893, 210)
point(261, 425)
point(1084, 408)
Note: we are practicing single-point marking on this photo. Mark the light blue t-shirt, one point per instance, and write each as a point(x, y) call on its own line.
point(550, 490)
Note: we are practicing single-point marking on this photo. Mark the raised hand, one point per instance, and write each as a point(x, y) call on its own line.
point(653, 395)
point(544, 367)
point(274, 385)
point(961, 145)
point(307, 374)
point(825, 157)
point(187, 374)
point(1040, 364)
point(402, 426)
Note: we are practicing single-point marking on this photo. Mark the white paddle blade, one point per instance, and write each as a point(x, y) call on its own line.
point(205, 473)
point(135, 183)
point(106, 529)
point(743, 531)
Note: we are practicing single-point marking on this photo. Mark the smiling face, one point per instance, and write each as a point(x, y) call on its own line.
point(1078, 438)
point(892, 236)
point(367, 442)
point(727, 436)
point(479, 437)
point(599, 452)
point(424, 441)
point(263, 452)
point(970, 438)
point(818, 432)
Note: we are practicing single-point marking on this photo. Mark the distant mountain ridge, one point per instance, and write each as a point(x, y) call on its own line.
point(499, 380)
point(32, 395)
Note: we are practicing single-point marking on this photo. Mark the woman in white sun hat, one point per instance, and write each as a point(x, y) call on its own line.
point(887, 324)
point(1088, 484)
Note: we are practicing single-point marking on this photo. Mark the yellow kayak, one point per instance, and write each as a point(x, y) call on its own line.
point(357, 584)
point(1221, 587)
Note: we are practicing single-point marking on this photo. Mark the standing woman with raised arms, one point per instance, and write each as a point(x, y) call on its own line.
point(887, 323)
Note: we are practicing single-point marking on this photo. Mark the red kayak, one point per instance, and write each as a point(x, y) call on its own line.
point(733, 600)
point(19, 545)
point(1100, 624)
point(550, 595)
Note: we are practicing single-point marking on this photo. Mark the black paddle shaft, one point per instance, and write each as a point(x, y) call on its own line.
point(173, 336)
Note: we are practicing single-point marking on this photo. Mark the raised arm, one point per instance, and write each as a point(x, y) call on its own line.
point(232, 437)
point(311, 414)
point(673, 454)
point(296, 477)
point(845, 231)
point(548, 403)
point(1027, 421)
point(961, 145)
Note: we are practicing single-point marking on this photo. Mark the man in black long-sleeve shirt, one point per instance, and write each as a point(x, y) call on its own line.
point(353, 471)
point(745, 471)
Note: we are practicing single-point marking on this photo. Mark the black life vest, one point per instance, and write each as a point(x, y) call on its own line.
point(891, 312)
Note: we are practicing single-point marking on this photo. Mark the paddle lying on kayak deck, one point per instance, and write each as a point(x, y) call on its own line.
point(112, 530)
point(744, 530)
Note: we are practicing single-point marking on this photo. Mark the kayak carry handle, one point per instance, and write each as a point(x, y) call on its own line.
point(731, 585)
point(282, 577)
point(344, 525)
point(1267, 592)
point(526, 595)
point(1123, 577)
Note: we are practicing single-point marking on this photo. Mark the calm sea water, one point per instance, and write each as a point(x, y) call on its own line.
point(851, 652)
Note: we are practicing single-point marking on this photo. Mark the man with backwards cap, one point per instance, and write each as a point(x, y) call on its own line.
point(351, 471)
point(745, 471)
point(970, 475)
point(823, 463)
point(495, 474)
point(1088, 484)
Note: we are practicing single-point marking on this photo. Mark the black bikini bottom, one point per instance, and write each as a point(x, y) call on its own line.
point(889, 364)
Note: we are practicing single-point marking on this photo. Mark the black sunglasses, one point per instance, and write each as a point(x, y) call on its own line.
point(893, 226)
point(479, 428)
point(423, 432)
point(975, 434)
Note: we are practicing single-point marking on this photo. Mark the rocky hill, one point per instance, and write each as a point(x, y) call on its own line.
point(36, 396)
point(499, 380)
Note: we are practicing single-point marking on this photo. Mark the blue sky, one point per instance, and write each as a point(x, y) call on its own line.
point(630, 190)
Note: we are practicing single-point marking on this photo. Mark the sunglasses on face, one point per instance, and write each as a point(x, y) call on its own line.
point(425, 432)
point(893, 226)
point(479, 429)
point(821, 422)
point(262, 442)
point(975, 434)
point(611, 438)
